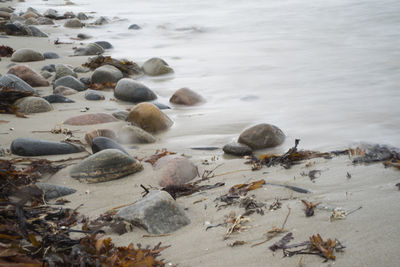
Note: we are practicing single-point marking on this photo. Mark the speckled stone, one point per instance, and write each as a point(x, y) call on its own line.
point(89, 119)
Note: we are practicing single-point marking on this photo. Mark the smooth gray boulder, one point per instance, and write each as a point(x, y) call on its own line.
point(50, 55)
point(106, 165)
point(63, 70)
point(89, 50)
point(52, 191)
point(106, 73)
point(82, 16)
point(237, 149)
point(134, 27)
point(45, 21)
point(58, 99)
point(93, 95)
point(36, 32)
point(14, 82)
point(73, 23)
point(156, 66)
point(37, 147)
point(26, 55)
point(101, 143)
point(121, 115)
point(262, 136)
point(104, 44)
point(132, 91)
point(71, 82)
point(32, 104)
point(130, 134)
point(157, 212)
point(63, 90)
point(51, 13)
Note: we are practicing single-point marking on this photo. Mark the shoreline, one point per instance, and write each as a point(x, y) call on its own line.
point(368, 234)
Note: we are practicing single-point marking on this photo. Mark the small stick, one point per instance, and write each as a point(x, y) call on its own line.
point(160, 235)
point(350, 212)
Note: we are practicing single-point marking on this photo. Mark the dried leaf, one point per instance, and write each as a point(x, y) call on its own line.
point(159, 154)
point(326, 248)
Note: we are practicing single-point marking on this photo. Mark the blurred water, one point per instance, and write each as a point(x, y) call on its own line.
point(326, 72)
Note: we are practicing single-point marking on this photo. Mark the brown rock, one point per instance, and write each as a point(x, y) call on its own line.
point(90, 119)
point(99, 132)
point(175, 170)
point(262, 136)
point(28, 75)
point(30, 14)
point(148, 117)
point(63, 90)
point(185, 96)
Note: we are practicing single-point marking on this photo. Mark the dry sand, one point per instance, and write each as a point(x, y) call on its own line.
point(371, 235)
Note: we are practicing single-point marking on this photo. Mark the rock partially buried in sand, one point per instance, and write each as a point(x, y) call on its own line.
point(26, 55)
point(50, 55)
point(94, 95)
point(71, 82)
point(157, 212)
point(52, 191)
point(237, 149)
point(175, 170)
point(63, 71)
point(121, 115)
point(90, 119)
point(134, 135)
point(104, 44)
point(28, 75)
point(106, 165)
point(134, 27)
point(132, 91)
point(262, 136)
point(99, 132)
point(12, 81)
point(32, 104)
point(73, 23)
point(101, 143)
point(156, 66)
point(58, 99)
point(36, 147)
point(185, 96)
point(89, 50)
point(63, 90)
point(82, 16)
point(106, 73)
point(148, 117)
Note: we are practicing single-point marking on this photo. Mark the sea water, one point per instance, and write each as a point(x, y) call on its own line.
point(327, 72)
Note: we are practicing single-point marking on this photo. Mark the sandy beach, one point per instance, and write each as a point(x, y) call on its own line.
point(370, 234)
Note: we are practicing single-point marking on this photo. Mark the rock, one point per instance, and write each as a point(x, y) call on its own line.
point(134, 27)
point(28, 75)
point(49, 68)
point(106, 165)
point(5, 15)
point(71, 82)
point(50, 55)
point(31, 21)
point(89, 119)
point(45, 21)
point(101, 143)
point(134, 135)
point(36, 147)
point(3, 152)
point(52, 191)
point(106, 73)
point(86, 81)
point(63, 70)
point(185, 96)
point(101, 21)
point(160, 105)
point(90, 49)
point(262, 136)
point(14, 29)
point(63, 90)
point(81, 69)
point(30, 14)
point(51, 13)
point(26, 55)
point(132, 91)
point(69, 15)
point(15, 18)
point(148, 117)
point(94, 95)
point(58, 99)
point(45, 74)
point(84, 36)
point(237, 149)
point(12, 81)
point(104, 44)
point(157, 212)
point(36, 32)
point(73, 23)
point(175, 170)
point(156, 66)
point(82, 16)
point(99, 132)
point(121, 115)
point(32, 104)
point(7, 9)
point(31, 9)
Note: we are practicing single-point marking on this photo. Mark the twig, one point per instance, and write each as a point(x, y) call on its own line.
point(209, 174)
point(350, 212)
point(160, 235)
point(145, 189)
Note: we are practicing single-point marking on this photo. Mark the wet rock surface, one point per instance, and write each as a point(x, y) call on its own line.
point(101, 143)
point(156, 66)
point(148, 117)
point(52, 191)
point(237, 149)
point(132, 91)
point(134, 135)
point(58, 99)
point(36, 147)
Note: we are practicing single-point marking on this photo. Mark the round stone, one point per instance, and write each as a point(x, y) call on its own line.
point(32, 104)
point(99, 132)
point(89, 50)
point(36, 147)
point(237, 149)
point(101, 143)
point(90, 119)
point(63, 70)
point(94, 95)
point(26, 55)
point(50, 55)
point(134, 135)
point(104, 44)
point(28, 75)
point(175, 170)
point(71, 82)
point(73, 23)
point(63, 90)
point(262, 136)
point(106, 73)
point(156, 66)
point(185, 96)
point(148, 117)
point(132, 91)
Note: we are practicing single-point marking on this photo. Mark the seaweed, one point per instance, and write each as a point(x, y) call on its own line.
point(127, 67)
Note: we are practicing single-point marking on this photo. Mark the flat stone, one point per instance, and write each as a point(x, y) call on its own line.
point(63, 90)
point(32, 104)
point(89, 50)
point(71, 82)
point(101, 143)
point(36, 147)
point(14, 82)
point(63, 70)
point(94, 95)
point(58, 99)
point(121, 115)
point(156, 66)
point(28, 75)
point(52, 191)
point(36, 32)
point(50, 55)
point(175, 170)
point(148, 117)
point(132, 91)
point(99, 132)
point(157, 212)
point(90, 119)
point(134, 135)
point(73, 23)
point(237, 149)
point(262, 136)
point(106, 73)
point(185, 96)
point(26, 55)
point(106, 165)
point(104, 44)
